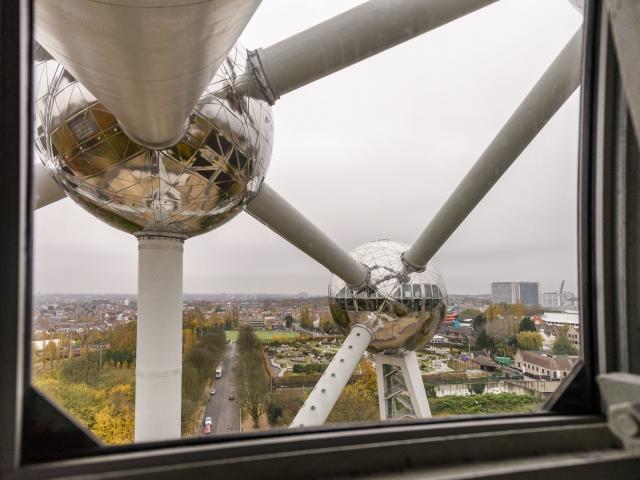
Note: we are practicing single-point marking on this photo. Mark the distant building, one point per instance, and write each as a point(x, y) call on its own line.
point(459, 335)
point(573, 334)
point(484, 362)
point(254, 321)
point(527, 293)
point(559, 299)
point(561, 319)
point(504, 292)
point(544, 366)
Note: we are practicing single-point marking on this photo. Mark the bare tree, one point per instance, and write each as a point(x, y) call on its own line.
point(251, 383)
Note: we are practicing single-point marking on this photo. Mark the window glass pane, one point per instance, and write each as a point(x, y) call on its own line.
point(149, 325)
point(427, 290)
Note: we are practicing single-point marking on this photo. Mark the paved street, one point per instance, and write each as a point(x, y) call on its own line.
point(224, 412)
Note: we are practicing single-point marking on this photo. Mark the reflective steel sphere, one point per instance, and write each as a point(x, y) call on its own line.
point(403, 310)
point(189, 188)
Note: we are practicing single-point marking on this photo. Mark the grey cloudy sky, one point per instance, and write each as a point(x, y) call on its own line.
point(372, 152)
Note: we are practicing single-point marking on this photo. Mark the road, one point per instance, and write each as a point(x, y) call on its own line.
point(224, 412)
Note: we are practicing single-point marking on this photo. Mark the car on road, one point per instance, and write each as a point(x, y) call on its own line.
point(213, 391)
point(207, 429)
point(207, 421)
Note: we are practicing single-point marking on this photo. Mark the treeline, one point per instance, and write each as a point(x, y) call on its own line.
point(326, 323)
point(198, 367)
point(97, 386)
point(526, 338)
point(118, 344)
point(250, 375)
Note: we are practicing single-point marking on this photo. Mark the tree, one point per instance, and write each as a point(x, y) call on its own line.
point(485, 341)
point(506, 346)
point(327, 324)
point(477, 388)
point(494, 311)
point(187, 340)
point(251, 382)
point(85, 369)
point(305, 318)
point(274, 409)
point(564, 346)
point(518, 310)
point(114, 425)
point(529, 341)
point(51, 350)
point(288, 321)
point(479, 321)
point(527, 325)
point(358, 402)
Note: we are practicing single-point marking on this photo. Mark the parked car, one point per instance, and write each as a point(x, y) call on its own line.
point(213, 391)
point(207, 430)
point(207, 421)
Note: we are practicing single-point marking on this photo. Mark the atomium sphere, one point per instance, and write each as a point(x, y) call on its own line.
point(404, 310)
point(187, 189)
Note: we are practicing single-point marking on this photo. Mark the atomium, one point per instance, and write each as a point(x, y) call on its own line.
point(403, 309)
point(185, 189)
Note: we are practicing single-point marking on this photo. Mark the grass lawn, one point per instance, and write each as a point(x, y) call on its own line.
point(232, 335)
point(488, 403)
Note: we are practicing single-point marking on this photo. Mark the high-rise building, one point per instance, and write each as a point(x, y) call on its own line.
point(527, 293)
point(504, 292)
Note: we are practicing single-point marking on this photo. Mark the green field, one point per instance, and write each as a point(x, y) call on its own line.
point(232, 335)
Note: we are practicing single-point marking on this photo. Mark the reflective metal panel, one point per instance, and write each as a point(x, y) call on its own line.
point(403, 309)
point(147, 61)
point(190, 188)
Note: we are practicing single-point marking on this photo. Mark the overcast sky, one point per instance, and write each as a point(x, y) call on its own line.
point(372, 152)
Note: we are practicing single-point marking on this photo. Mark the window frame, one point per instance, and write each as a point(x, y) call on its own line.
point(469, 444)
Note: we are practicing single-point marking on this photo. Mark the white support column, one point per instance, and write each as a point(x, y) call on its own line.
point(324, 395)
point(382, 395)
point(410, 371)
point(159, 338)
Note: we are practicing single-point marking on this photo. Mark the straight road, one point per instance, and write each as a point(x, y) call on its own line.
point(224, 412)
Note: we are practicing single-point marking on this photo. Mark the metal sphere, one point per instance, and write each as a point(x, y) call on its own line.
point(186, 189)
point(404, 310)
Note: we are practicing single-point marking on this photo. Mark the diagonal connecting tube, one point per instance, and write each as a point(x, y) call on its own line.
point(551, 91)
point(46, 190)
point(348, 38)
point(324, 395)
point(275, 212)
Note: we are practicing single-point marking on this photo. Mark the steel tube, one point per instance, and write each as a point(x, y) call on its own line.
point(324, 395)
point(353, 36)
point(147, 61)
point(159, 339)
point(276, 213)
point(551, 91)
point(46, 190)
